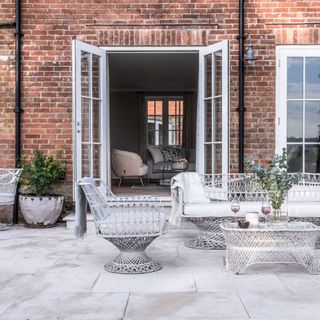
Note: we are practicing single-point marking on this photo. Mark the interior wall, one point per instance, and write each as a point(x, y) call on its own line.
point(124, 121)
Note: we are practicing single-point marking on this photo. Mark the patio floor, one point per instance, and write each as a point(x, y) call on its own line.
point(48, 274)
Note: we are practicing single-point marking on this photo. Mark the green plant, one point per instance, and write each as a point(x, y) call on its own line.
point(275, 179)
point(41, 172)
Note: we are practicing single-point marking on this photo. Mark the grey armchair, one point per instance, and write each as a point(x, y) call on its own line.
point(128, 164)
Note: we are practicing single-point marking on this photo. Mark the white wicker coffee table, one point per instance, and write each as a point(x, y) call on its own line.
point(291, 243)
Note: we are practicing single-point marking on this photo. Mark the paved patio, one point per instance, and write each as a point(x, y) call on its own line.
point(48, 274)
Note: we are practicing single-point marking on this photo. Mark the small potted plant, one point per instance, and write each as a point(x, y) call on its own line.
point(40, 208)
point(276, 181)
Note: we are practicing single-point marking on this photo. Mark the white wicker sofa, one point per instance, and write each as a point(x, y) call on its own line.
point(209, 207)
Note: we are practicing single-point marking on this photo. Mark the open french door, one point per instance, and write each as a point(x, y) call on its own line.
point(213, 109)
point(90, 112)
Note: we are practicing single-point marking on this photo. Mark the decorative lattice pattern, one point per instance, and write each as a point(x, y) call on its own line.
point(131, 224)
point(132, 257)
point(8, 186)
point(294, 243)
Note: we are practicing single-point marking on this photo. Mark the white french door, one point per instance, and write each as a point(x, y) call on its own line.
point(298, 106)
point(213, 109)
point(90, 112)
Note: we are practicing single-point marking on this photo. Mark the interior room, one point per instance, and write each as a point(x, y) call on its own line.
point(153, 102)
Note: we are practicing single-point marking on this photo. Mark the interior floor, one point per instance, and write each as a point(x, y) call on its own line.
point(135, 190)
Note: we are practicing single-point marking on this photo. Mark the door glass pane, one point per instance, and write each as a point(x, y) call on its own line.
point(217, 120)
point(294, 157)
point(294, 78)
point(95, 76)
point(312, 158)
point(208, 121)
point(218, 73)
point(96, 161)
point(295, 121)
point(96, 123)
point(84, 73)
point(217, 157)
point(312, 125)
point(208, 158)
point(85, 119)
point(85, 161)
point(313, 78)
point(208, 75)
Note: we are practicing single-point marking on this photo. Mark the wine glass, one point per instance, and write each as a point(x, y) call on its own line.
point(235, 207)
point(266, 209)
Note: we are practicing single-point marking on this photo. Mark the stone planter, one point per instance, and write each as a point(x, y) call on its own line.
point(41, 211)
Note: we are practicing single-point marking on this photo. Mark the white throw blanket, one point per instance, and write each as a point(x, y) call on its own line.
point(81, 213)
point(186, 187)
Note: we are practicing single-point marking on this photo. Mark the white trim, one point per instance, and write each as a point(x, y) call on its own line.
point(222, 46)
point(77, 48)
point(282, 53)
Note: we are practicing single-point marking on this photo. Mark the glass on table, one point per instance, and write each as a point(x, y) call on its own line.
point(266, 209)
point(235, 207)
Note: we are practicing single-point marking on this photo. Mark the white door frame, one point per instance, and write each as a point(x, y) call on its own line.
point(77, 48)
point(156, 49)
point(222, 46)
point(282, 53)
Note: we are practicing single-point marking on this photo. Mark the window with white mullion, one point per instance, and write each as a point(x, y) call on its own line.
point(299, 85)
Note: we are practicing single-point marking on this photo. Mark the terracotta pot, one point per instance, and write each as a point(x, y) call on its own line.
point(41, 211)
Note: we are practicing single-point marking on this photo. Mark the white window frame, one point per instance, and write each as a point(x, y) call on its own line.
point(282, 53)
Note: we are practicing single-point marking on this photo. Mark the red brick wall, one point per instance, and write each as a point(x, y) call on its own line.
point(50, 25)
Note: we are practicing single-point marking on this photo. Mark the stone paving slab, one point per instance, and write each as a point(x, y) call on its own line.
point(47, 274)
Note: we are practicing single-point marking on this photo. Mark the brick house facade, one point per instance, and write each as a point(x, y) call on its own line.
point(50, 26)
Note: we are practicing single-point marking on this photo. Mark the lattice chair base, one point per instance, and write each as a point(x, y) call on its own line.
point(132, 258)
point(210, 236)
point(3, 227)
point(314, 220)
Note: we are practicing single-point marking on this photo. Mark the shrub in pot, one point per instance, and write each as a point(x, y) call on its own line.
point(40, 208)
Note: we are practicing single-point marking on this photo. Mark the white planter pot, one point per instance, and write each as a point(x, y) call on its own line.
point(41, 211)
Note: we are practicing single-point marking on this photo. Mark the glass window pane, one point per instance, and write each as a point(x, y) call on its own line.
point(173, 108)
point(172, 137)
point(313, 78)
point(96, 161)
point(312, 124)
point(208, 75)
point(218, 73)
point(151, 108)
point(217, 158)
point(295, 121)
point(217, 119)
point(312, 158)
point(85, 161)
point(208, 158)
point(95, 76)
point(294, 157)
point(85, 119)
point(208, 121)
point(151, 137)
point(294, 78)
point(172, 123)
point(96, 114)
point(159, 108)
point(84, 73)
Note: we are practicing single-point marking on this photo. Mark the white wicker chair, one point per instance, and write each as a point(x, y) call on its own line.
point(8, 187)
point(130, 224)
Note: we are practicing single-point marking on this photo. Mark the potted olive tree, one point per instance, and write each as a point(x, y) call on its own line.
point(40, 208)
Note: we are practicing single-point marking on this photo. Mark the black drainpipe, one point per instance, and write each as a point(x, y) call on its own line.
point(241, 108)
point(18, 110)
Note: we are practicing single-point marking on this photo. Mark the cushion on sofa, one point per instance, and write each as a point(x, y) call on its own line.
point(172, 153)
point(156, 154)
